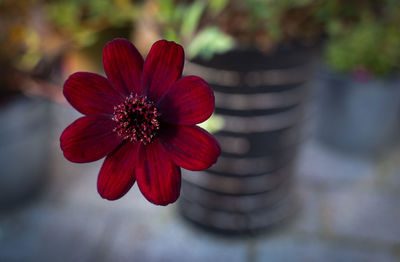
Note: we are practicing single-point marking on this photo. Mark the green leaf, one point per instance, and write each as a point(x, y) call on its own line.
point(191, 19)
point(208, 42)
point(213, 124)
point(216, 6)
point(170, 34)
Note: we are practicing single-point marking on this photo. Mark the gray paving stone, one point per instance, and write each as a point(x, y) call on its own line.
point(388, 172)
point(363, 214)
point(299, 248)
point(308, 219)
point(327, 168)
point(52, 234)
point(166, 238)
point(18, 241)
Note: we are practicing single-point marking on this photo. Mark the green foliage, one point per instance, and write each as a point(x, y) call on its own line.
point(368, 45)
point(209, 41)
point(217, 6)
point(80, 20)
point(212, 26)
point(191, 19)
point(180, 22)
point(39, 30)
point(367, 37)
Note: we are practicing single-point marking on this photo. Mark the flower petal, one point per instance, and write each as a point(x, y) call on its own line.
point(189, 101)
point(158, 178)
point(123, 66)
point(190, 147)
point(163, 66)
point(91, 93)
point(117, 175)
point(89, 138)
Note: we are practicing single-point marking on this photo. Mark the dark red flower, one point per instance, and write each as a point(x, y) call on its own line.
point(143, 118)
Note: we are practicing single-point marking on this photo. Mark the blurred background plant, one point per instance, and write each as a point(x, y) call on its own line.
point(80, 21)
point(184, 22)
point(216, 26)
point(85, 26)
point(362, 36)
point(15, 39)
point(39, 38)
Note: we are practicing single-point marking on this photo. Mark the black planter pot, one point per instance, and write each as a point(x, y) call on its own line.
point(261, 100)
point(24, 134)
point(357, 117)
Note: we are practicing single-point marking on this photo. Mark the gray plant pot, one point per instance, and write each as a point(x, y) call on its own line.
point(24, 135)
point(358, 117)
point(261, 99)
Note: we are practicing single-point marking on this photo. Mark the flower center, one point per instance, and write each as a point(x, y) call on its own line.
point(137, 119)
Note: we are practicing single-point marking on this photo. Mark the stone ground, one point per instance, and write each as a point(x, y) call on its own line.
point(350, 212)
